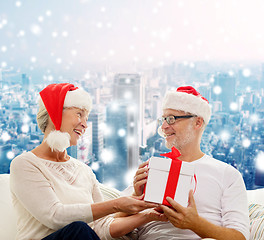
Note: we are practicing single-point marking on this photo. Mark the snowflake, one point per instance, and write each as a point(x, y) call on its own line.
point(25, 128)
point(5, 136)
point(54, 34)
point(107, 155)
point(50, 78)
point(3, 48)
point(131, 140)
point(246, 72)
point(233, 106)
point(73, 52)
point(65, 34)
point(10, 155)
point(225, 135)
point(18, 4)
point(33, 59)
point(121, 132)
point(36, 29)
point(217, 90)
point(21, 33)
point(246, 143)
point(40, 19)
point(99, 25)
point(3, 64)
point(48, 13)
point(130, 175)
point(95, 166)
point(231, 73)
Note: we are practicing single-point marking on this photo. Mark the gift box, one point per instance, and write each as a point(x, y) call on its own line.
point(169, 177)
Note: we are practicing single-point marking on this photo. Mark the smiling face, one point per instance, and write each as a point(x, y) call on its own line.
point(74, 122)
point(180, 134)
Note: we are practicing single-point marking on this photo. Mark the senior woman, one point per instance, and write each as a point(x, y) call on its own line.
point(56, 196)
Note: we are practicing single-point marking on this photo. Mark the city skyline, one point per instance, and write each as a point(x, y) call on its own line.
point(234, 134)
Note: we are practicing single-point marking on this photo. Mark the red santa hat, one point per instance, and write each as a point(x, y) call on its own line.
point(55, 97)
point(189, 100)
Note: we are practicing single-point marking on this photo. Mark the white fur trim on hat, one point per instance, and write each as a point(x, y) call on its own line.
point(58, 141)
point(186, 102)
point(78, 98)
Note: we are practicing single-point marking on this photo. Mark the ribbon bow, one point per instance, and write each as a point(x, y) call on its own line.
point(173, 155)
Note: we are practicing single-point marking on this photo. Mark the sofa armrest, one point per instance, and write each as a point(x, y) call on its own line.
point(8, 227)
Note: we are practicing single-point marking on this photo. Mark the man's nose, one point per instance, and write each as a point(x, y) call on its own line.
point(164, 124)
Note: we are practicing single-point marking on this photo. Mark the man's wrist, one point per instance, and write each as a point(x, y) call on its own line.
point(197, 225)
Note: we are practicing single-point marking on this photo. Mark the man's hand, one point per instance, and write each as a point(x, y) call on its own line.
point(181, 217)
point(140, 179)
point(188, 218)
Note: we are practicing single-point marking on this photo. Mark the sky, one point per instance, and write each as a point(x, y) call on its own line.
point(76, 36)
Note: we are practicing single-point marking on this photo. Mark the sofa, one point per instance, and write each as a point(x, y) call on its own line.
point(8, 219)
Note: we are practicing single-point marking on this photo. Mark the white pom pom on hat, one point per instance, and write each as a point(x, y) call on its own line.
point(55, 97)
point(189, 100)
point(58, 140)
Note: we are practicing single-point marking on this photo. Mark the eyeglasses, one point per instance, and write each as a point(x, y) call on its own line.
point(172, 119)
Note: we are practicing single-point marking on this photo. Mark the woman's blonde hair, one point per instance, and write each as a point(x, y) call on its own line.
point(42, 116)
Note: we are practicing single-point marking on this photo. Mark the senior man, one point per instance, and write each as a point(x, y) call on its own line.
point(218, 208)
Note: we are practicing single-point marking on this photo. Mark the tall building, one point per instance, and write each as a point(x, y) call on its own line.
point(156, 108)
point(128, 89)
point(84, 146)
point(97, 117)
point(124, 118)
point(1, 79)
point(116, 151)
point(25, 81)
point(224, 89)
point(261, 85)
point(72, 151)
point(11, 77)
point(205, 91)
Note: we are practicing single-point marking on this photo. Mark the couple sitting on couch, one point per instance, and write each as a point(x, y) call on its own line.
point(57, 197)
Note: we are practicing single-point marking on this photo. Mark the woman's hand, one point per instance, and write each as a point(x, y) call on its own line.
point(123, 225)
point(132, 205)
point(155, 214)
point(140, 179)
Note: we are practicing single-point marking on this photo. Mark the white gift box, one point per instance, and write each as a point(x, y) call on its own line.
point(158, 186)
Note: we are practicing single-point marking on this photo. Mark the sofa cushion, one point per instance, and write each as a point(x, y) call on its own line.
point(7, 219)
point(108, 192)
point(256, 215)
